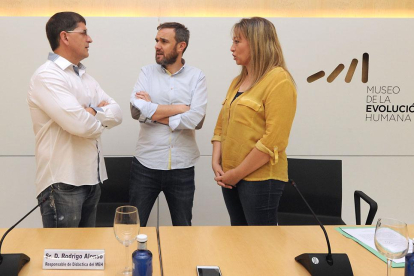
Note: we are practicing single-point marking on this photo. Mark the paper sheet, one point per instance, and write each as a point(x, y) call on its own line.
point(365, 237)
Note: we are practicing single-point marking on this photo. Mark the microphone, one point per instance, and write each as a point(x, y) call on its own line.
point(11, 264)
point(319, 264)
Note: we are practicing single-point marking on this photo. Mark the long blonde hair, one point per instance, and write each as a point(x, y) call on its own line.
point(265, 50)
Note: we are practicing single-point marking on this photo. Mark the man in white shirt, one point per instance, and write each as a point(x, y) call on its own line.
point(69, 112)
point(170, 101)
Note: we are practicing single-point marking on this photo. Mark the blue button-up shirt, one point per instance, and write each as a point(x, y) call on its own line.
point(170, 147)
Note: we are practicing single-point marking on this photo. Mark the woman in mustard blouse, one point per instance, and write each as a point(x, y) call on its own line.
point(252, 131)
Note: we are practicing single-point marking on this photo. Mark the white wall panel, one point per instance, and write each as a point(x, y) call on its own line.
point(330, 120)
point(331, 117)
point(17, 192)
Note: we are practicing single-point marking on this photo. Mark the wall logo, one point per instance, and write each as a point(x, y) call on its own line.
point(348, 78)
point(381, 102)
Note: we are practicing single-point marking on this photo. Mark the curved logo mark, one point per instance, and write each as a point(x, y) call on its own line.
point(348, 78)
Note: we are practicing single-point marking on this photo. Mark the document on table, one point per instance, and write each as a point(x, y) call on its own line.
point(365, 237)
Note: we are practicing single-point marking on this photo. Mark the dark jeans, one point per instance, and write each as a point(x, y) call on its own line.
point(178, 187)
point(69, 206)
point(254, 202)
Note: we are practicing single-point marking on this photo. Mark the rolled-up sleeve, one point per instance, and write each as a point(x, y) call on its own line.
point(109, 115)
point(191, 118)
point(280, 108)
point(218, 128)
point(147, 109)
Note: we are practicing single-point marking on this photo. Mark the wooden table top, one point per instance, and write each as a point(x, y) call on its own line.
point(258, 251)
point(238, 251)
point(33, 242)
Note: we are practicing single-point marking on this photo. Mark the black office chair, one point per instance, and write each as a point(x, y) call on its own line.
point(114, 191)
point(373, 207)
point(320, 182)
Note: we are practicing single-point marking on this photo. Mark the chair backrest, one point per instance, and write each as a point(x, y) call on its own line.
point(320, 182)
point(115, 190)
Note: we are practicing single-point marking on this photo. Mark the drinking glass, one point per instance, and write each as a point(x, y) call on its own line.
point(126, 229)
point(391, 239)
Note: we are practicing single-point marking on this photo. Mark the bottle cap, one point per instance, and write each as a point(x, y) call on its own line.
point(142, 238)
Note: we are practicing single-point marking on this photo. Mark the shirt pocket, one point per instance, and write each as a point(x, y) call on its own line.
point(246, 111)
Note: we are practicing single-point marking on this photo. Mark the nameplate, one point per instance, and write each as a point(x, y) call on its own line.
point(73, 259)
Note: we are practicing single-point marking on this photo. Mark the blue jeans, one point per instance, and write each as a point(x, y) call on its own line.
point(178, 187)
point(254, 202)
point(69, 206)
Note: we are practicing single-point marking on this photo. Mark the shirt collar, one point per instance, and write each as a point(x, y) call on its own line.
point(179, 71)
point(64, 63)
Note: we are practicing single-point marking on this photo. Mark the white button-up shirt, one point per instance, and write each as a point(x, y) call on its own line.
point(174, 146)
point(67, 137)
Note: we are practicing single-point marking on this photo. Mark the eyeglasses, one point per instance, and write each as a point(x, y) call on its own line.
point(84, 32)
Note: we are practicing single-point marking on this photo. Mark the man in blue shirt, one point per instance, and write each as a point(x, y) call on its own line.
point(170, 101)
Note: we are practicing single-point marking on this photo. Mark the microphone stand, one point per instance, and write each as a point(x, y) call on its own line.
point(323, 264)
point(11, 264)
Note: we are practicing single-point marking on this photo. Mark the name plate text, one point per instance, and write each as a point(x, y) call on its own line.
point(73, 259)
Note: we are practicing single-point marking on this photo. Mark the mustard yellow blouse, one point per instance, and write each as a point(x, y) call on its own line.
point(261, 117)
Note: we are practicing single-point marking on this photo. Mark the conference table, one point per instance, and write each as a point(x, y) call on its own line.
point(259, 251)
point(33, 242)
point(238, 251)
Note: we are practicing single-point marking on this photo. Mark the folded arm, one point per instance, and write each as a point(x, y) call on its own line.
point(156, 112)
point(108, 112)
point(51, 94)
point(177, 116)
point(143, 108)
point(192, 118)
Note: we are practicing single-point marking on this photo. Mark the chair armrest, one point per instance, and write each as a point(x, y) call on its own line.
point(373, 207)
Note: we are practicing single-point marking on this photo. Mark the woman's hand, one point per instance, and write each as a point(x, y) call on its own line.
point(216, 164)
point(218, 171)
point(229, 178)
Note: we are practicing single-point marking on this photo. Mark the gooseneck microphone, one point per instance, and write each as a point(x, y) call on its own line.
point(11, 264)
point(319, 264)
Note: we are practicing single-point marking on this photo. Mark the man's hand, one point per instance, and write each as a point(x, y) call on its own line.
point(143, 96)
point(90, 110)
point(103, 103)
point(184, 108)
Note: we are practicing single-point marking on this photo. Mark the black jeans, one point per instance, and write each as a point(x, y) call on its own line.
point(254, 202)
point(178, 187)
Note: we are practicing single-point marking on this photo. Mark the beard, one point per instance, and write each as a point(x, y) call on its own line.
point(167, 59)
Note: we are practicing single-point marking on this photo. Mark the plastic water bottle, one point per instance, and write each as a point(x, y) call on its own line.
point(142, 258)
